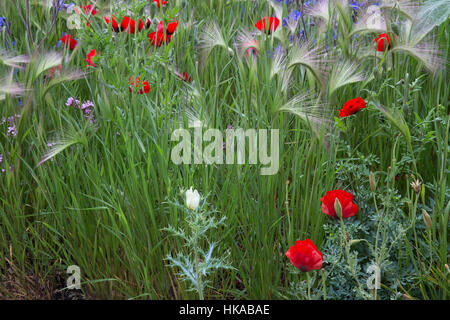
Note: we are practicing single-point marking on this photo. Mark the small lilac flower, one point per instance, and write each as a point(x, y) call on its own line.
point(87, 105)
point(86, 108)
point(11, 120)
point(12, 131)
point(69, 101)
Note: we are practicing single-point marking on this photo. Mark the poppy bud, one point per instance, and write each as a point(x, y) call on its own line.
point(372, 182)
point(427, 219)
point(338, 208)
point(355, 241)
point(345, 203)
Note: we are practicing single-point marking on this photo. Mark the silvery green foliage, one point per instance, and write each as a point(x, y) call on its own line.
point(196, 263)
point(310, 289)
point(381, 230)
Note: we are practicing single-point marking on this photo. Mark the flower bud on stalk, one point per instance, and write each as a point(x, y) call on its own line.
point(372, 182)
point(355, 241)
point(427, 219)
point(192, 199)
point(417, 186)
point(338, 208)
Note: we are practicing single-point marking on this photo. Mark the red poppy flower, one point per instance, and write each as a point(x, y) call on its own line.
point(125, 22)
point(305, 256)
point(382, 42)
point(163, 36)
point(69, 41)
point(128, 24)
point(345, 198)
point(171, 27)
point(144, 86)
point(89, 57)
point(184, 76)
point(268, 24)
point(158, 38)
point(161, 27)
point(89, 9)
point(351, 107)
point(114, 24)
point(140, 25)
point(160, 3)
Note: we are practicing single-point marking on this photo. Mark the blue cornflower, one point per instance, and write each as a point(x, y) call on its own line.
point(2, 22)
point(354, 5)
point(61, 5)
point(278, 50)
point(293, 16)
point(10, 43)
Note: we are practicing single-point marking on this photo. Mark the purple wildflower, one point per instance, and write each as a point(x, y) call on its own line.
point(86, 107)
point(69, 102)
point(12, 131)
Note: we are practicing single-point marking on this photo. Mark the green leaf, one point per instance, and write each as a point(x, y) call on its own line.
point(340, 124)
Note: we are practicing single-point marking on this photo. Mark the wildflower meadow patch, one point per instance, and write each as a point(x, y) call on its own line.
point(224, 150)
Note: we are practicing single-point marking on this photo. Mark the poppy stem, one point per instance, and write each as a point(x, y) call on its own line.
point(309, 285)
